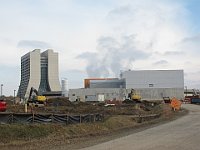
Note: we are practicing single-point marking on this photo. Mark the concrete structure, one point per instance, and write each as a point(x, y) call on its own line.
point(39, 70)
point(96, 94)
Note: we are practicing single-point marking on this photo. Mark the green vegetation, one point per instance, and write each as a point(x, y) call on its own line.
point(13, 132)
point(17, 132)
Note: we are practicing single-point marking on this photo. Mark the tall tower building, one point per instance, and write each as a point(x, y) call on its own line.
point(40, 71)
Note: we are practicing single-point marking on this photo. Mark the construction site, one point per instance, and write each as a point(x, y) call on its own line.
point(105, 106)
point(45, 111)
point(62, 122)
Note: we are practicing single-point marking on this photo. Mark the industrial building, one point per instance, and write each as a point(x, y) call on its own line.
point(40, 71)
point(151, 84)
point(156, 84)
point(96, 94)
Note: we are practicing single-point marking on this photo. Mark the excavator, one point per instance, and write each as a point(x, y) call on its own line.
point(133, 97)
point(35, 99)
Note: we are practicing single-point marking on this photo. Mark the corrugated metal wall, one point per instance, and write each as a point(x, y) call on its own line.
point(116, 83)
point(154, 79)
point(91, 94)
point(121, 94)
point(159, 93)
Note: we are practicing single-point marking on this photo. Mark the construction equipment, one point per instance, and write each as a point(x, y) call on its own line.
point(3, 105)
point(135, 96)
point(35, 99)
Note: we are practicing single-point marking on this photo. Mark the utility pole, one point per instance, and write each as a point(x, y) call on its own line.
point(19, 91)
point(186, 90)
point(1, 90)
point(14, 97)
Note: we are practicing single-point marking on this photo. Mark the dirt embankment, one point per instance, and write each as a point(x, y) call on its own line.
point(118, 121)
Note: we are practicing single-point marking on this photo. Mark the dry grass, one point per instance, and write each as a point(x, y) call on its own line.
point(55, 134)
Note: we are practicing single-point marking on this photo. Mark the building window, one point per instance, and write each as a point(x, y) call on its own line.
point(151, 85)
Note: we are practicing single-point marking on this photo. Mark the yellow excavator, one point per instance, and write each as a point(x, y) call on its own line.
point(35, 99)
point(135, 96)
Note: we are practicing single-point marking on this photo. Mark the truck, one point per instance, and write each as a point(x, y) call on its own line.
point(195, 100)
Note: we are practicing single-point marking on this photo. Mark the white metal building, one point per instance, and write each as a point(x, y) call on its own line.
point(154, 79)
point(96, 94)
point(151, 84)
point(156, 84)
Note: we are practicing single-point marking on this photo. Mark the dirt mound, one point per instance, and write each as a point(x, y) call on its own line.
point(60, 101)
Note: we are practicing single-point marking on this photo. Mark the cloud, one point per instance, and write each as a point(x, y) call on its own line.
point(195, 38)
point(137, 31)
point(161, 62)
point(190, 45)
point(112, 56)
point(32, 44)
point(192, 79)
point(167, 53)
point(157, 25)
point(123, 11)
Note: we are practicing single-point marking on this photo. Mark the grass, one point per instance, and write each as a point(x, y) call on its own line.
point(13, 132)
point(16, 134)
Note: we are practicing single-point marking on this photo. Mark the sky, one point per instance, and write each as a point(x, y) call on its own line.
point(101, 38)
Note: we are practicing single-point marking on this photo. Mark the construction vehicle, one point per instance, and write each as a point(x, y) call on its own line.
point(3, 105)
point(35, 99)
point(134, 96)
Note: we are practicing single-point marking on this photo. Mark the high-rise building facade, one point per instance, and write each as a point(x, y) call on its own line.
point(40, 71)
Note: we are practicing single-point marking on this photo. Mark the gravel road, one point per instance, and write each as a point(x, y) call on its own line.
point(180, 134)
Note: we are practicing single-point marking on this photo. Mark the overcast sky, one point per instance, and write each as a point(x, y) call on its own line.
point(99, 38)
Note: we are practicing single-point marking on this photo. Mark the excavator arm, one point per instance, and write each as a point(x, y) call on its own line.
point(34, 97)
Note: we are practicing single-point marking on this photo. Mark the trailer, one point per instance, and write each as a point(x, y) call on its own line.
point(195, 101)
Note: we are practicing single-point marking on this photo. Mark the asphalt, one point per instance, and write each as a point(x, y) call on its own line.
point(180, 134)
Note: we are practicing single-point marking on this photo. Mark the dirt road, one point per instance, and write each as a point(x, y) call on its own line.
point(180, 134)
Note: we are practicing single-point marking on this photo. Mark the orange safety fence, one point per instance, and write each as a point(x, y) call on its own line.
point(175, 104)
